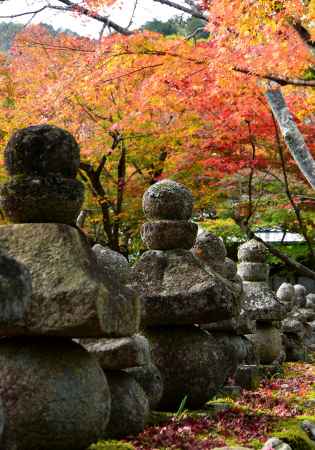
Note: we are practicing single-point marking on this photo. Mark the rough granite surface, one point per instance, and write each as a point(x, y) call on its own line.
point(71, 296)
point(150, 379)
point(42, 149)
point(120, 353)
point(190, 362)
point(130, 406)
point(261, 303)
point(167, 200)
point(55, 395)
point(175, 288)
point(15, 294)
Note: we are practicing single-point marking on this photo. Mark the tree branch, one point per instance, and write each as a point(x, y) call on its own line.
point(121, 184)
point(28, 13)
point(133, 14)
point(282, 81)
point(303, 270)
point(193, 5)
point(300, 268)
point(192, 12)
point(100, 37)
point(50, 46)
point(251, 176)
point(93, 15)
point(305, 36)
point(193, 33)
point(98, 191)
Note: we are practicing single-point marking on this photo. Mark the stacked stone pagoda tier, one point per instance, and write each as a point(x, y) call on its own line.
point(229, 333)
point(135, 383)
point(179, 294)
point(261, 303)
point(310, 305)
point(42, 162)
point(54, 394)
point(299, 324)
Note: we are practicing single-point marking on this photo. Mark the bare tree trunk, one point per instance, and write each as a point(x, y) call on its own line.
point(291, 135)
point(93, 176)
point(295, 207)
point(121, 184)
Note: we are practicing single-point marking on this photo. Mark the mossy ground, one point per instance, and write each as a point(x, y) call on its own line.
point(111, 445)
point(275, 409)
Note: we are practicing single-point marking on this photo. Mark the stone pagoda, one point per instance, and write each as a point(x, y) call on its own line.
point(261, 303)
point(229, 333)
point(125, 360)
point(179, 294)
point(54, 394)
point(298, 325)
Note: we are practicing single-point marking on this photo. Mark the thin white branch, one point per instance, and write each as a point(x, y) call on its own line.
point(27, 13)
point(102, 32)
point(133, 14)
point(196, 31)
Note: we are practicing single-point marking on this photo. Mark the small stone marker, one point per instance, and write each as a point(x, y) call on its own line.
point(260, 302)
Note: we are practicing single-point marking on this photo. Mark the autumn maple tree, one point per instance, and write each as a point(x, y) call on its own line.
point(127, 137)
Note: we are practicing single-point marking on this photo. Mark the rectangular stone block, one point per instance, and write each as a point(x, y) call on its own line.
point(176, 289)
point(239, 325)
point(247, 376)
point(71, 296)
point(122, 353)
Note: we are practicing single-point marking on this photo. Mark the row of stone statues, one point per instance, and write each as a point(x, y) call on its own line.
point(88, 345)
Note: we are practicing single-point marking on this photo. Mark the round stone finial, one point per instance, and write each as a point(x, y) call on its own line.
point(43, 161)
point(210, 248)
point(168, 200)
point(252, 251)
point(286, 293)
point(42, 149)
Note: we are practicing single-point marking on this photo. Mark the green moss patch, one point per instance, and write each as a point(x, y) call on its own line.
point(297, 439)
point(111, 445)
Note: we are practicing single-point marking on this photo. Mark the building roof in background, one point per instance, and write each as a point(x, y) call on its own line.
point(277, 235)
